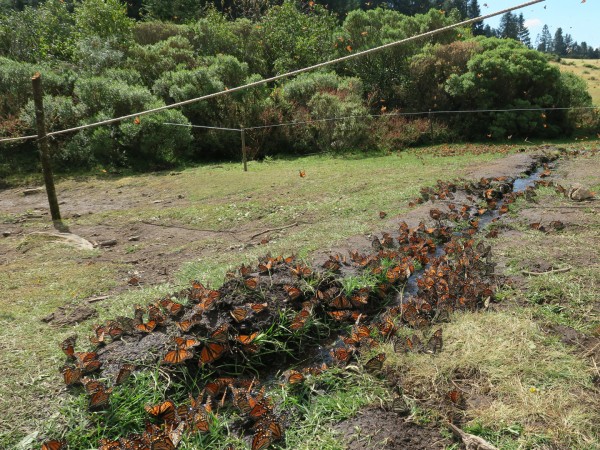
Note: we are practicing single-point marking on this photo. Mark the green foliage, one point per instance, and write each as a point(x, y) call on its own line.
point(151, 61)
point(173, 10)
point(106, 19)
point(507, 75)
point(384, 73)
point(293, 39)
point(15, 84)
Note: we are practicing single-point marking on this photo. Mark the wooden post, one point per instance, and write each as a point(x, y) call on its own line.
point(244, 155)
point(38, 99)
point(430, 126)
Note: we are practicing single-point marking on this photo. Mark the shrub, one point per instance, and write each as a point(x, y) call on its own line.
point(149, 33)
point(15, 84)
point(151, 61)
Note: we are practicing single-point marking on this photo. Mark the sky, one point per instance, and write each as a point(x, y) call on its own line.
point(581, 19)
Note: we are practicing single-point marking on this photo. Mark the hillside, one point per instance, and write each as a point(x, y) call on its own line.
point(589, 70)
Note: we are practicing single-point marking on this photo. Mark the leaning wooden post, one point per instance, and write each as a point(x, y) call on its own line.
point(244, 155)
point(38, 100)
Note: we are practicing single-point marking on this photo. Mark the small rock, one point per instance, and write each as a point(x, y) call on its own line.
point(134, 238)
point(76, 216)
point(109, 243)
point(6, 233)
point(157, 201)
point(32, 191)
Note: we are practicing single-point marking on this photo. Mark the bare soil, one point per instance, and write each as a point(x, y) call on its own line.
point(385, 430)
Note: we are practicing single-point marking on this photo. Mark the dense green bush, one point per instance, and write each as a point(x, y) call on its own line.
point(151, 61)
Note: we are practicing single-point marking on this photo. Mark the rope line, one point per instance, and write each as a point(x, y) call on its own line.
point(331, 119)
point(288, 74)
point(202, 126)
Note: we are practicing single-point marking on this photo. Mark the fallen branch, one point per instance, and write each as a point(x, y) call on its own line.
point(471, 441)
point(549, 272)
point(274, 229)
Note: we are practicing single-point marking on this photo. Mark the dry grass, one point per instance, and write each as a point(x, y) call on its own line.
point(591, 74)
point(521, 378)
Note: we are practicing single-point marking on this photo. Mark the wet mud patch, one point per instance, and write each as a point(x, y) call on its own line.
point(385, 430)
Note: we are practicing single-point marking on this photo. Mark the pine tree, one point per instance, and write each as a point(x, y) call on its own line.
point(559, 46)
point(509, 26)
point(544, 40)
point(474, 11)
point(523, 33)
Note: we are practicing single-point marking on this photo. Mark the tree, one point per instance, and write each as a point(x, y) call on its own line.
point(559, 43)
point(474, 11)
point(523, 33)
point(105, 19)
point(544, 40)
point(509, 26)
point(569, 43)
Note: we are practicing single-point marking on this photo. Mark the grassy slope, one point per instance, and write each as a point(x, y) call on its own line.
point(589, 70)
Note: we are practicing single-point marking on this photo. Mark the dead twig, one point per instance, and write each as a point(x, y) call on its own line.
point(471, 441)
point(295, 224)
point(549, 272)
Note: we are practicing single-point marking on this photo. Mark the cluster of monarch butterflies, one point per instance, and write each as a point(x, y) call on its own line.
point(81, 364)
point(450, 281)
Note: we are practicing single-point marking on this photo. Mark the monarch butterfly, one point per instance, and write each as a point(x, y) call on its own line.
point(262, 439)
point(259, 410)
point(217, 386)
point(221, 333)
point(300, 271)
point(300, 319)
point(108, 444)
point(243, 401)
point(161, 442)
point(251, 283)
point(239, 314)
point(172, 308)
point(92, 386)
point(454, 396)
point(164, 411)
point(146, 327)
point(292, 291)
point(124, 372)
point(387, 327)
point(54, 445)
point(258, 307)
point(186, 343)
point(294, 377)
point(154, 314)
point(177, 356)
point(188, 324)
point(175, 434)
point(99, 399)
point(247, 339)
point(331, 265)
point(503, 209)
point(211, 352)
point(360, 299)
point(276, 429)
point(302, 174)
point(68, 346)
point(341, 302)
point(341, 354)
point(71, 375)
point(375, 364)
point(435, 343)
point(200, 420)
point(340, 316)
